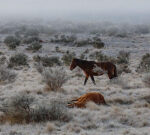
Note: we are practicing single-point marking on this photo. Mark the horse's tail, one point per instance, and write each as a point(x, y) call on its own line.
point(115, 72)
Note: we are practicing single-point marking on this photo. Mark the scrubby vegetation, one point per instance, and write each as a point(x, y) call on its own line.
point(122, 62)
point(63, 39)
point(6, 75)
point(34, 47)
point(123, 57)
point(67, 58)
point(97, 43)
point(146, 80)
point(30, 40)
point(54, 78)
point(19, 109)
point(19, 59)
point(47, 61)
point(12, 42)
point(99, 56)
point(144, 65)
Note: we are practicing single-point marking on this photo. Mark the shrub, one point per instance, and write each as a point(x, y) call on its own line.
point(12, 42)
point(55, 111)
point(35, 46)
point(146, 80)
point(18, 60)
point(123, 68)
point(63, 39)
point(6, 75)
point(32, 32)
point(123, 57)
point(39, 67)
point(144, 65)
point(97, 43)
point(48, 61)
point(19, 109)
point(82, 43)
point(30, 40)
point(67, 58)
point(54, 78)
point(99, 56)
point(3, 59)
point(121, 82)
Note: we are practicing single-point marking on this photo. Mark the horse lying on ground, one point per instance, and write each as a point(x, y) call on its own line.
point(92, 68)
point(81, 102)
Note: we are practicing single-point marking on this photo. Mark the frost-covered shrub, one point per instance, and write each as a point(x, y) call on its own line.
point(123, 68)
point(3, 59)
point(146, 80)
point(25, 109)
point(99, 56)
point(39, 67)
point(18, 60)
point(54, 78)
point(81, 43)
point(12, 42)
point(7, 75)
point(35, 46)
point(30, 40)
point(123, 57)
point(97, 43)
point(32, 32)
point(48, 61)
point(17, 109)
point(144, 65)
point(67, 58)
point(63, 39)
point(55, 111)
point(121, 82)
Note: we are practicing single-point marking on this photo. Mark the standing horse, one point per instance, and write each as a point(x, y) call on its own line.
point(90, 67)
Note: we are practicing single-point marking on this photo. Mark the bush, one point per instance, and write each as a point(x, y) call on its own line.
point(123, 57)
point(32, 32)
point(48, 61)
point(144, 65)
point(99, 56)
point(146, 80)
point(63, 39)
point(3, 59)
point(35, 46)
point(18, 60)
point(97, 43)
point(12, 42)
point(55, 111)
point(6, 75)
point(19, 109)
point(121, 82)
point(82, 43)
point(31, 40)
point(54, 78)
point(67, 58)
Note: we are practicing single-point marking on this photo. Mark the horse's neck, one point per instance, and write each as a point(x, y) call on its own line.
point(81, 65)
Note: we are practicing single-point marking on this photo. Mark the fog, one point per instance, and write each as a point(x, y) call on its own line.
point(77, 10)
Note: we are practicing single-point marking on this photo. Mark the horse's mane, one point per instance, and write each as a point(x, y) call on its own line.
point(83, 61)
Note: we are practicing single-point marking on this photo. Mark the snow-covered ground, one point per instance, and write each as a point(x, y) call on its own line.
point(128, 112)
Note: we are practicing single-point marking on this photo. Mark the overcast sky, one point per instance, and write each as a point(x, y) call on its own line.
point(76, 9)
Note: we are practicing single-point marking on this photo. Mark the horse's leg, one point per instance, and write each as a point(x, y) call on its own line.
point(93, 80)
point(86, 78)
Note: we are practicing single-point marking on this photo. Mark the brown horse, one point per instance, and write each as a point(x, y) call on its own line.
point(90, 67)
point(81, 102)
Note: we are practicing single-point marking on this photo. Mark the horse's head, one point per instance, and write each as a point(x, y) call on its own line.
point(73, 64)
